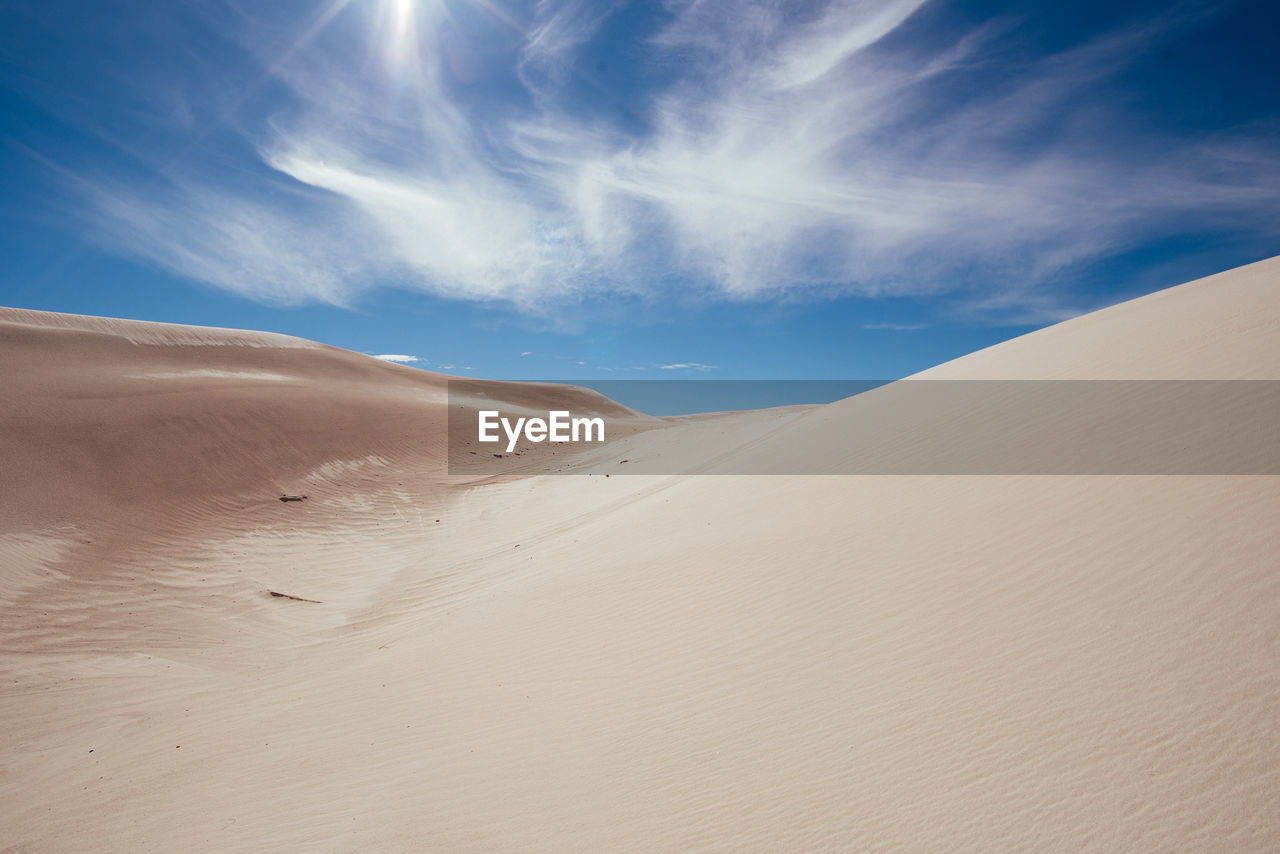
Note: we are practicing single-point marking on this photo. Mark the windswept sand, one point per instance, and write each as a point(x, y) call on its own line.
point(644, 663)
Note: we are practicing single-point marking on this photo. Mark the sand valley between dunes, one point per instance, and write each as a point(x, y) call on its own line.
point(928, 663)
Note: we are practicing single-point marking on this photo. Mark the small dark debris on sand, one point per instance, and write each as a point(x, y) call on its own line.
point(293, 498)
point(294, 598)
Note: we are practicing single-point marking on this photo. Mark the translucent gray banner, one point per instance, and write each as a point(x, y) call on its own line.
point(954, 427)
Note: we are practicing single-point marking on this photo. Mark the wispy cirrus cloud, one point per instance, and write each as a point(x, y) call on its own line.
point(896, 327)
point(849, 150)
point(556, 31)
point(687, 366)
point(397, 357)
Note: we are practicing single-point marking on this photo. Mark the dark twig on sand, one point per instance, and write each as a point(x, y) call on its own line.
point(294, 598)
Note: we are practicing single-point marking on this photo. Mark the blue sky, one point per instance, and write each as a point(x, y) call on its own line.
point(606, 189)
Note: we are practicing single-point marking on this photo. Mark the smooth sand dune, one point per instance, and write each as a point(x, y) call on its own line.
point(644, 663)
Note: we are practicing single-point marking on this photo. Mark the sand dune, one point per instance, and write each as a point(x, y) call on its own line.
point(644, 663)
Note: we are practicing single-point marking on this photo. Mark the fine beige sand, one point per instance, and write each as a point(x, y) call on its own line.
point(999, 663)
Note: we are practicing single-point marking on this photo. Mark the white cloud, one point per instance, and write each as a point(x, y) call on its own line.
point(687, 366)
point(396, 357)
point(821, 157)
point(558, 29)
point(276, 251)
point(824, 45)
point(896, 327)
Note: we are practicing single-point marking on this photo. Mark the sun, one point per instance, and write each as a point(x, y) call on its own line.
point(402, 16)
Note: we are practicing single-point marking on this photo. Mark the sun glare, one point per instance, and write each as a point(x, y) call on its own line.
point(400, 31)
point(402, 17)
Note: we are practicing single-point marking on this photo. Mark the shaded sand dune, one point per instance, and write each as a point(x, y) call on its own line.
point(645, 663)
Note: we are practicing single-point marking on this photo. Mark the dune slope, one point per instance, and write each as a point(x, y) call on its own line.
point(645, 663)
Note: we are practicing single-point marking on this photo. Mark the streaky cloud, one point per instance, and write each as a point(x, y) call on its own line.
point(781, 158)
